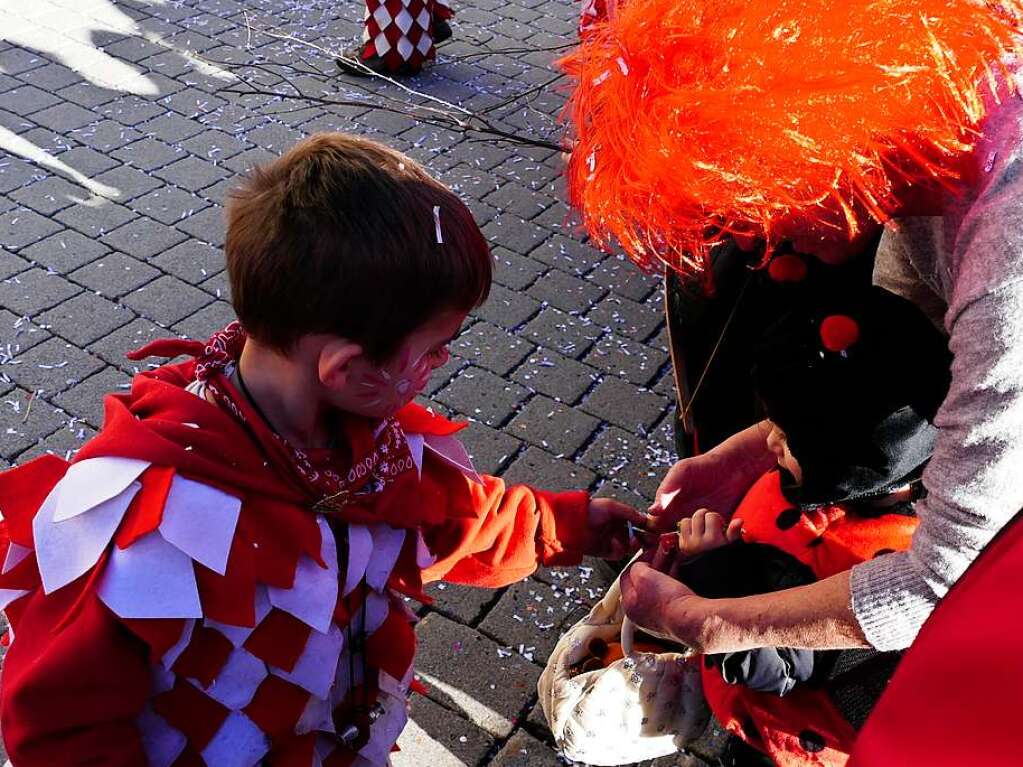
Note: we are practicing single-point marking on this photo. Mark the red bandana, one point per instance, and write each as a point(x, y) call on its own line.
point(377, 453)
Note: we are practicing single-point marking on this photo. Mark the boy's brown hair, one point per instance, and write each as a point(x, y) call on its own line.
point(340, 236)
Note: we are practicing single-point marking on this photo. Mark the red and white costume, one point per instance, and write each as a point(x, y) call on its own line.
point(176, 601)
point(401, 31)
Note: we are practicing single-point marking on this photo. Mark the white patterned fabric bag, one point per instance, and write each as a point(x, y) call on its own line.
point(642, 706)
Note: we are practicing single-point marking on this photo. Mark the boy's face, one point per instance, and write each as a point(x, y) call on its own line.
point(379, 391)
point(778, 444)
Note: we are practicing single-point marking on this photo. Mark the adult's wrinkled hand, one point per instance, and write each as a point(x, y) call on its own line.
point(714, 480)
point(660, 605)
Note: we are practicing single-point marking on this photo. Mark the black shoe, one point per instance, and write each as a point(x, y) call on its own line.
point(367, 66)
point(441, 31)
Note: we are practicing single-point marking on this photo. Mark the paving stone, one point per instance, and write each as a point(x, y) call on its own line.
point(514, 271)
point(569, 255)
point(50, 142)
point(85, 318)
point(491, 450)
point(274, 137)
point(205, 322)
point(250, 158)
point(633, 408)
point(624, 278)
point(15, 61)
point(463, 670)
point(166, 300)
point(85, 399)
point(513, 233)
point(64, 251)
point(136, 334)
point(440, 738)
point(87, 161)
point(532, 615)
point(465, 604)
point(11, 264)
point(33, 291)
point(623, 357)
point(63, 443)
point(215, 146)
point(87, 95)
point(131, 110)
point(20, 227)
point(626, 459)
point(52, 77)
point(133, 49)
point(17, 334)
point(192, 173)
point(96, 222)
point(507, 308)
point(540, 469)
point(16, 173)
point(130, 182)
point(168, 204)
point(567, 334)
point(206, 225)
point(552, 426)
point(170, 127)
point(149, 153)
point(565, 292)
point(524, 203)
point(26, 99)
point(114, 274)
point(48, 195)
point(627, 318)
point(193, 261)
point(562, 378)
point(523, 750)
point(105, 135)
point(481, 395)
point(63, 117)
point(218, 286)
point(491, 347)
point(192, 102)
point(143, 238)
point(22, 426)
point(53, 366)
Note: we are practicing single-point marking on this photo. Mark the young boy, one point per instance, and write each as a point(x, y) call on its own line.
point(850, 383)
point(216, 578)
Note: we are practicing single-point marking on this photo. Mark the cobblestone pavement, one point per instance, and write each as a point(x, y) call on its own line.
point(118, 141)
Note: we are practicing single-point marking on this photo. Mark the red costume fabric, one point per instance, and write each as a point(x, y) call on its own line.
point(953, 698)
point(175, 600)
point(803, 728)
point(401, 32)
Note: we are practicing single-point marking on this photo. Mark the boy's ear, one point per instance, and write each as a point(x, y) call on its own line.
point(334, 362)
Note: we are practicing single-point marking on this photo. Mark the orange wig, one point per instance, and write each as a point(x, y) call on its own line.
point(803, 120)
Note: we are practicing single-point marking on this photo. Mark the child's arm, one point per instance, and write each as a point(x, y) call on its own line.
point(73, 688)
point(495, 534)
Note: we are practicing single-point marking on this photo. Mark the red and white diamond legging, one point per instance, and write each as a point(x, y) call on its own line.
point(401, 31)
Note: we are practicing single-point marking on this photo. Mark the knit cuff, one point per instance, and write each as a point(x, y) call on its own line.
point(890, 601)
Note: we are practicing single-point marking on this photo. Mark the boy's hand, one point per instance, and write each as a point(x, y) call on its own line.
point(608, 520)
point(705, 531)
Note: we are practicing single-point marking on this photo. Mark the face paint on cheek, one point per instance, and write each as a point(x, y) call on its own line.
point(395, 386)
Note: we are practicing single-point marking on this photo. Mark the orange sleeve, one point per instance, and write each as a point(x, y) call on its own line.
point(493, 534)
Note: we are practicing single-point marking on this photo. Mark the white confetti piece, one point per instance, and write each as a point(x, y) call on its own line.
point(436, 221)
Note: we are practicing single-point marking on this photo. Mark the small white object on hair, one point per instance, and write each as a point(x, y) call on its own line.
point(436, 221)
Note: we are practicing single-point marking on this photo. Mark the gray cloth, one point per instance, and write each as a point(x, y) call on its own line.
point(970, 261)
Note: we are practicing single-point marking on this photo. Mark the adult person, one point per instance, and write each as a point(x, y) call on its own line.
point(760, 121)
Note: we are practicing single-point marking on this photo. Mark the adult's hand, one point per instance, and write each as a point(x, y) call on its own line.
point(663, 607)
point(715, 480)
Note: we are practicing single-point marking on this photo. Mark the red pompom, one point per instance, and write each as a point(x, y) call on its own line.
point(839, 332)
point(787, 268)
